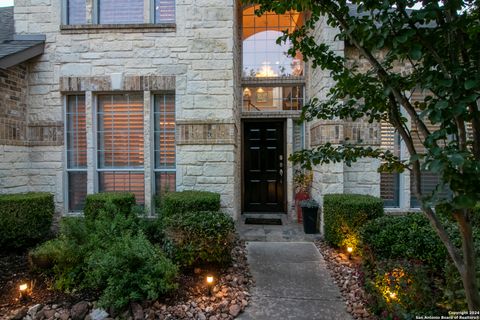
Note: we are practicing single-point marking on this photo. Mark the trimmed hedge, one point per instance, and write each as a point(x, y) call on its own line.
point(25, 219)
point(403, 237)
point(94, 203)
point(197, 238)
point(344, 214)
point(175, 203)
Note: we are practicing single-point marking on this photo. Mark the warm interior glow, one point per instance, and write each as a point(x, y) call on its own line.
point(266, 71)
point(393, 295)
point(23, 287)
point(209, 279)
point(350, 249)
point(247, 92)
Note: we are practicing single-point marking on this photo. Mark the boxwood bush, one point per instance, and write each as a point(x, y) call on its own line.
point(411, 238)
point(345, 214)
point(25, 219)
point(175, 203)
point(94, 203)
point(198, 238)
point(403, 237)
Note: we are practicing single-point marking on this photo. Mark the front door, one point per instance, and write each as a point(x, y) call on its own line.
point(264, 167)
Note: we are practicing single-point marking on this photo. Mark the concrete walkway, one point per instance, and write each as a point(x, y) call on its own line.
point(292, 282)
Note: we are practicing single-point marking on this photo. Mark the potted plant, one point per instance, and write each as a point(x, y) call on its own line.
point(303, 182)
point(310, 215)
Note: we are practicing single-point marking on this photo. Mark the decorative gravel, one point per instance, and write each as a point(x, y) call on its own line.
point(349, 279)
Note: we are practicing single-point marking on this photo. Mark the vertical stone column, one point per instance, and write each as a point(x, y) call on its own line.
point(147, 150)
point(89, 124)
point(289, 167)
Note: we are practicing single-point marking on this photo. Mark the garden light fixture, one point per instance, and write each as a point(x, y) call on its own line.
point(210, 284)
point(23, 289)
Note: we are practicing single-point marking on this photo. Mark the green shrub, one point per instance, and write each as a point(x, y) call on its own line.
point(110, 255)
point(25, 219)
point(403, 237)
point(175, 203)
point(344, 214)
point(400, 289)
point(124, 201)
point(128, 270)
point(200, 237)
point(154, 229)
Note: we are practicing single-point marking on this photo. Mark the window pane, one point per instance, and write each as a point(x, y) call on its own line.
point(76, 12)
point(120, 131)
point(121, 11)
point(429, 181)
point(123, 181)
point(272, 98)
point(164, 182)
point(76, 133)
point(77, 190)
point(390, 182)
point(164, 113)
point(164, 11)
point(262, 56)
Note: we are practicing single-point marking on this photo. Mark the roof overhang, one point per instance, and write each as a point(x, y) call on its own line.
point(21, 49)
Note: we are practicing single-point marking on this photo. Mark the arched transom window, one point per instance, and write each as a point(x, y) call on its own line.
point(262, 56)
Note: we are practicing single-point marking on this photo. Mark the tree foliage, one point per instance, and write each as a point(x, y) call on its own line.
point(438, 45)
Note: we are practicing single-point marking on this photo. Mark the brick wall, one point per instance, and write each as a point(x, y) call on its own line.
point(13, 108)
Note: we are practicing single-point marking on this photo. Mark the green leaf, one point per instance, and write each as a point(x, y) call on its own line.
point(470, 84)
point(416, 52)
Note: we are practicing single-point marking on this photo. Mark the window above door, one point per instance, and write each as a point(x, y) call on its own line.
point(278, 98)
point(262, 56)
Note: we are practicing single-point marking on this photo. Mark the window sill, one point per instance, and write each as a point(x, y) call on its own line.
point(126, 28)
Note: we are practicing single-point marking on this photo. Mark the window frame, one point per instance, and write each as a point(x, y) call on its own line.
point(93, 19)
point(156, 170)
point(99, 170)
point(68, 170)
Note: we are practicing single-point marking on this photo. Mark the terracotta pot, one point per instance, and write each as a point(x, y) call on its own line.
point(300, 196)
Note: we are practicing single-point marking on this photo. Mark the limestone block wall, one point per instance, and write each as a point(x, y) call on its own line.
point(198, 51)
point(327, 178)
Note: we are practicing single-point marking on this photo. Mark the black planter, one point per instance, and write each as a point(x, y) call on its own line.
point(310, 217)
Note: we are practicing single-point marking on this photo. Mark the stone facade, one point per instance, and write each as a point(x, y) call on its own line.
point(199, 59)
point(200, 55)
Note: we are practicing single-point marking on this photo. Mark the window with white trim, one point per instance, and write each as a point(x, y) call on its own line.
point(76, 148)
point(164, 132)
point(120, 144)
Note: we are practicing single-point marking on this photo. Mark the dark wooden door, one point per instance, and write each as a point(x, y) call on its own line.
point(264, 167)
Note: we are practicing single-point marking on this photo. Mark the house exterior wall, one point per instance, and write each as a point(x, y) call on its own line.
point(30, 151)
point(200, 54)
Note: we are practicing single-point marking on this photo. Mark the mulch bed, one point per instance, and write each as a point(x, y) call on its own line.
point(228, 298)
